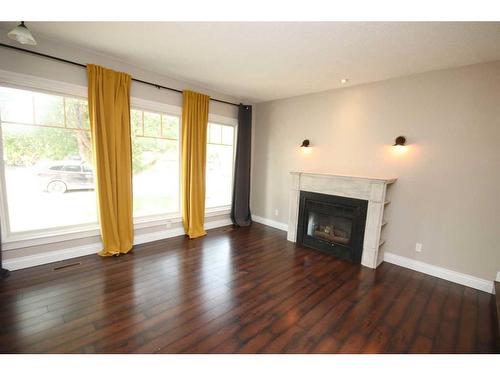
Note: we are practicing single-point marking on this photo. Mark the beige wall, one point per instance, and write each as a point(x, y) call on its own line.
point(448, 191)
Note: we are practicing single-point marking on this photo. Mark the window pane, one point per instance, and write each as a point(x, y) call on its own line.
point(152, 124)
point(170, 127)
point(136, 121)
point(16, 105)
point(227, 135)
point(219, 175)
point(49, 110)
point(156, 176)
point(77, 114)
point(40, 193)
point(214, 133)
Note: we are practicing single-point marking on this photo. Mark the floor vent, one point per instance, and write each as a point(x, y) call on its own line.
point(65, 266)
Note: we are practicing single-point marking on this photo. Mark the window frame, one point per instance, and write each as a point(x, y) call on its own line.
point(17, 240)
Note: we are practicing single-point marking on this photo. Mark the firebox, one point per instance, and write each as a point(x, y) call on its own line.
point(333, 224)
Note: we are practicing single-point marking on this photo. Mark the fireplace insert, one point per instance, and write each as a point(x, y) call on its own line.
point(332, 224)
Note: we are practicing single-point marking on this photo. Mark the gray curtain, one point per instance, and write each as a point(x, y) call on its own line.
point(240, 208)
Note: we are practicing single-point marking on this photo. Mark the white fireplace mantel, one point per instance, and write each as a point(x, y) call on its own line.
point(374, 190)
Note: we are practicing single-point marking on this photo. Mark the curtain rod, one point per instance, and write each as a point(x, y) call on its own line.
point(85, 66)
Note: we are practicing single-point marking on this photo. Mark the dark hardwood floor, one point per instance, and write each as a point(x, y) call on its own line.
point(243, 290)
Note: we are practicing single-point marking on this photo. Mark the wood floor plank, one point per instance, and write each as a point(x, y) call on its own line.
point(485, 336)
point(467, 339)
point(448, 324)
point(429, 322)
point(421, 345)
point(353, 344)
point(378, 340)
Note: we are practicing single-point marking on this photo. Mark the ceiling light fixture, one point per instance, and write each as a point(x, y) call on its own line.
point(344, 81)
point(21, 34)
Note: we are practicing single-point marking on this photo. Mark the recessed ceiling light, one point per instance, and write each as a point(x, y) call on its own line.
point(344, 81)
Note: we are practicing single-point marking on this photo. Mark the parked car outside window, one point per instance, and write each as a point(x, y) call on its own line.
point(63, 176)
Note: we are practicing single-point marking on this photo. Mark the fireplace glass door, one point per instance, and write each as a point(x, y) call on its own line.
point(333, 224)
point(330, 228)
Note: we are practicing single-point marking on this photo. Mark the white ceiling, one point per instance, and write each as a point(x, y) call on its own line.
point(264, 61)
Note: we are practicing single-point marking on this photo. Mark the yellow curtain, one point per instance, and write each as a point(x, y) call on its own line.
point(194, 155)
point(109, 113)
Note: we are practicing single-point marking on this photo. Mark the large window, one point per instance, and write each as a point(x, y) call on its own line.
point(47, 160)
point(220, 160)
point(155, 163)
point(47, 177)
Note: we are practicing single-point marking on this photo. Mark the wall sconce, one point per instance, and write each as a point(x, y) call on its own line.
point(400, 141)
point(305, 143)
point(304, 147)
point(399, 145)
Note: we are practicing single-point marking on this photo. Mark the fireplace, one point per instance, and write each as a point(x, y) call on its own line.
point(333, 224)
point(373, 193)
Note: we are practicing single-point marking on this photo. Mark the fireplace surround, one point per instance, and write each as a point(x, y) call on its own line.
point(373, 190)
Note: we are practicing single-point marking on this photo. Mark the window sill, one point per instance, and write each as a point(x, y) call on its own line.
point(23, 240)
point(216, 211)
point(156, 220)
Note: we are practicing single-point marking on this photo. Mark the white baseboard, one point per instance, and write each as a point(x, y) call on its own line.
point(50, 257)
point(78, 251)
point(442, 273)
point(271, 223)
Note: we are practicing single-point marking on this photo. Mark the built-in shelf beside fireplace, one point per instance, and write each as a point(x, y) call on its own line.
point(374, 191)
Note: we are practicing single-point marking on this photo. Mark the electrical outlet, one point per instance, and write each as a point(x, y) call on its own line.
point(418, 247)
point(276, 212)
